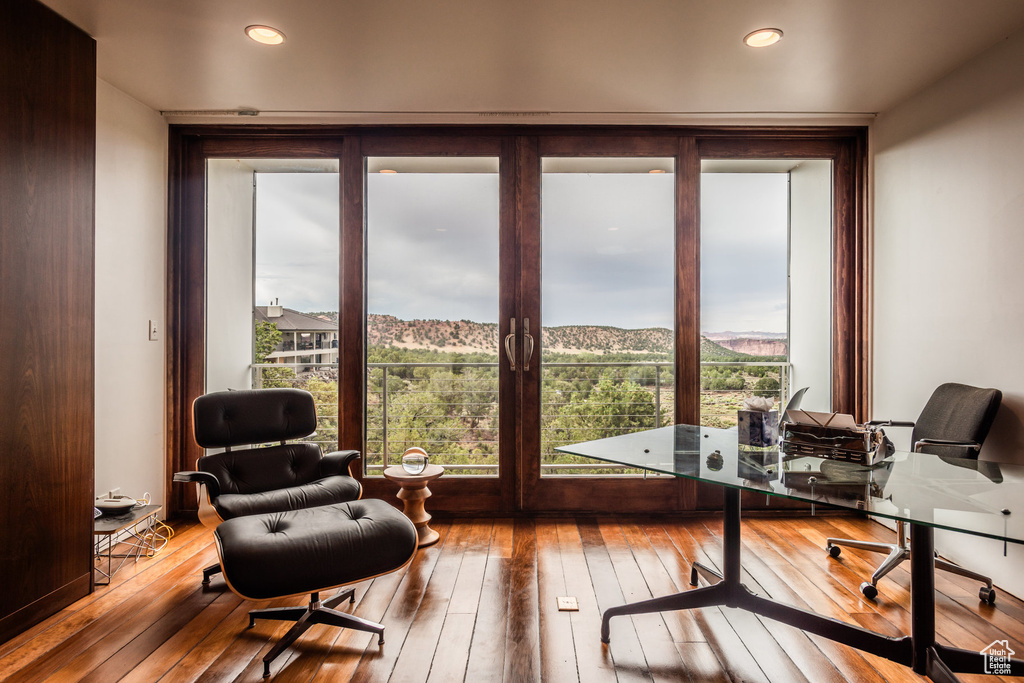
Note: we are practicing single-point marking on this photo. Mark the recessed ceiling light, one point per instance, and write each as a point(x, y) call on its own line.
point(387, 170)
point(763, 37)
point(657, 170)
point(264, 34)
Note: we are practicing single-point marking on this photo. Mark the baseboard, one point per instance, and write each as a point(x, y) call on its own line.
point(51, 603)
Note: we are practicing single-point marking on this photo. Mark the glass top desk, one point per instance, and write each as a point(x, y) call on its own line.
point(924, 490)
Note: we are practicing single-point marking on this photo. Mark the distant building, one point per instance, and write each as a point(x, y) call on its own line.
point(304, 338)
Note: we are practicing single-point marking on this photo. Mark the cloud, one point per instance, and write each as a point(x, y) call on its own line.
point(297, 240)
point(607, 247)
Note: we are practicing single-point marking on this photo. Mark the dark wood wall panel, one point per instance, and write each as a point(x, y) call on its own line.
point(47, 162)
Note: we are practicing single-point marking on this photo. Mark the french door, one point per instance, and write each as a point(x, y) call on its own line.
point(611, 305)
point(503, 293)
point(437, 299)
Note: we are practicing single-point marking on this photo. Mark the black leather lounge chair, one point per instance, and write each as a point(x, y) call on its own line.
point(255, 480)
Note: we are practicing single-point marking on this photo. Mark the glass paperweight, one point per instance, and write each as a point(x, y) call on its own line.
point(414, 460)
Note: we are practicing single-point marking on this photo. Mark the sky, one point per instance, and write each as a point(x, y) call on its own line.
point(607, 247)
point(297, 240)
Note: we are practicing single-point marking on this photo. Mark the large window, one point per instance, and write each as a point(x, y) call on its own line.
point(272, 280)
point(486, 296)
point(432, 311)
point(608, 302)
point(766, 256)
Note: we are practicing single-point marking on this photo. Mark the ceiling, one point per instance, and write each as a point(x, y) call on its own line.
point(637, 60)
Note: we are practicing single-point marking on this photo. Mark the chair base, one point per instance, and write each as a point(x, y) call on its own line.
point(210, 571)
point(315, 613)
point(896, 553)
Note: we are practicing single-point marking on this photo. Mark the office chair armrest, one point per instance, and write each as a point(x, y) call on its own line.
point(889, 423)
point(338, 463)
point(945, 442)
point(205, 478)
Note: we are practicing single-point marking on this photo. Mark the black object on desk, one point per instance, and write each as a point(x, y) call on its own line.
point(924, 491)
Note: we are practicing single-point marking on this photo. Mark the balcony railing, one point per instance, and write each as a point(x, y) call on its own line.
point(451, 409)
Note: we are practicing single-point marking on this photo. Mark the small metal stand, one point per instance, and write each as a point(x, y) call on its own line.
point(107, 528)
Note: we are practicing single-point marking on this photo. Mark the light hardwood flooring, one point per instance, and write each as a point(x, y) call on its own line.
point(480, 606)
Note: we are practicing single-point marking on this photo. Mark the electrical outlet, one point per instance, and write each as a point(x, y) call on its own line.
point(154, 332)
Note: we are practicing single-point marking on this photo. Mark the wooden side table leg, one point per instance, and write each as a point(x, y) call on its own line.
point(413, 498)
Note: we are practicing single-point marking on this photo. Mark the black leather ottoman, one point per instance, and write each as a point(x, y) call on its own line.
point(281, 554)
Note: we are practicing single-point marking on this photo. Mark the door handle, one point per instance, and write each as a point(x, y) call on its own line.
point(527, 344)
point(510, 340)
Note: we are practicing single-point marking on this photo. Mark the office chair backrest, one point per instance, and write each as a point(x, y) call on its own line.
point(226, 419)
point(957, 412)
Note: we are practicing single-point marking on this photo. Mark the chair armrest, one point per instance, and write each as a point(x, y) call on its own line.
point(944, 442)
point(889, 423)
point(205, 478)
point(338, 463)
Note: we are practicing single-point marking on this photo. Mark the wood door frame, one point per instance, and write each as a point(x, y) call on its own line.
point(190, 146)
point(536, 493)
point(463, 494)
point(849, 296)
point(849, 341)
point(189, 149)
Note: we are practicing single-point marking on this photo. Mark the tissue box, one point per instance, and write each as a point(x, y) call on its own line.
point(757, 428)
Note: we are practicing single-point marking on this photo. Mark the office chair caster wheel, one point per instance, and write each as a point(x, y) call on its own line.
point(835, 551)
point(870, 591)
point(987, 595)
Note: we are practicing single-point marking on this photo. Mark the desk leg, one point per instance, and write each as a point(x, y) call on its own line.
point(931, 659)
point(922, 595)
point(919, 650)
point(730, 592)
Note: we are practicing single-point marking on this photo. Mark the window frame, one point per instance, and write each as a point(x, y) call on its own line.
point(191, 145)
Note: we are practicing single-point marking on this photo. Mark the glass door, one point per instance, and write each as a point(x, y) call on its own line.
point(432, 238)
point(608, 357)
point(766, 290)
point(433, 322)
point(605, 320)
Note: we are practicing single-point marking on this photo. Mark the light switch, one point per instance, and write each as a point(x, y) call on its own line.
point(154, 331)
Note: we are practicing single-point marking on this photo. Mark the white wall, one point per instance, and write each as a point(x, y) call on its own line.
point(131, 210)
point(948, 249)
point(229, 251)
point(810, 281)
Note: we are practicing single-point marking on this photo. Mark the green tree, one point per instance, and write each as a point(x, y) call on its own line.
point(610, 409)
point(267, 338)
point(766, 386)
point(325, 396)
point(277, 378)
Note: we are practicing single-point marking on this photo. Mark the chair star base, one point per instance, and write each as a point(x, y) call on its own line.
point(315, 613)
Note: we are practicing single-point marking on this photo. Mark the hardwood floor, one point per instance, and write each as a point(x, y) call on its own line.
point(480, 606)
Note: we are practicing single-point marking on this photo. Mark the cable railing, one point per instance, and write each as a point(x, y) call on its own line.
point(451, 409)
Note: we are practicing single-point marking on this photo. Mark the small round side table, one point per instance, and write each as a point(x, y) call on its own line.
point(413, 493)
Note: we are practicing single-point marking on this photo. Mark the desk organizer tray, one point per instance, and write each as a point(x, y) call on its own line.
point(861, 445)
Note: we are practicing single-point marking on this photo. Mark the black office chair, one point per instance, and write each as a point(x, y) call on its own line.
point(261, 479)
point(953, 424)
